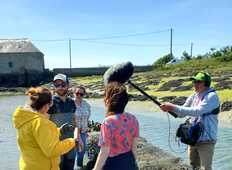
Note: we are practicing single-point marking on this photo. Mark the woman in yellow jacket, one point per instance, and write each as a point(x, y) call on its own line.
point(38, 137)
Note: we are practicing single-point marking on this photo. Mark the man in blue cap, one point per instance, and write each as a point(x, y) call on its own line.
point(202, 106)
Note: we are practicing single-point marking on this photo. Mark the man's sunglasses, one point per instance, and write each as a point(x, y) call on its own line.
point(80, 94)
point(197, 82)
point(60, 85)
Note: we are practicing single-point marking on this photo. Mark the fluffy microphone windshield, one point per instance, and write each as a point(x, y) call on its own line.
point(119, 72)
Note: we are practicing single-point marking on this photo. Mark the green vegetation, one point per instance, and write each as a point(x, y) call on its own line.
point(214, 61)
point(163, 60)
point(89, 79)
point(212, 65)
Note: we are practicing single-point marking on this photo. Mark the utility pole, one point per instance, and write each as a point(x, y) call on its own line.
point(70, 53)
point(171, 43)
point(191, 52)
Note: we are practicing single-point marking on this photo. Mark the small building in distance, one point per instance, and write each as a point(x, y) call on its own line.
point(20, 55)
point(21, 63)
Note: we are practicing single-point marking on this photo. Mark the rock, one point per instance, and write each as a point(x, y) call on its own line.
point(223, 85)
point(172, 83)
point(226, 106)
point(12, 89)
point(94, 95)
point(222, 78)
point(179, 100)
point(182, 88)
point(3, 89)
point(94, 126)
point(167, 98)
point(164, 88)
point(150, 157)
point(135, 97)
point(173, 99)
point(143, 85)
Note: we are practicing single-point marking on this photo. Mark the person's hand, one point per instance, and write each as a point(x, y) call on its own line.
point(65, 128)
point(166, 107)
point(78, 140)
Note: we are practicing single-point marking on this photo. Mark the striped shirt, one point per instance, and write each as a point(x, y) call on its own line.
point(82, 114)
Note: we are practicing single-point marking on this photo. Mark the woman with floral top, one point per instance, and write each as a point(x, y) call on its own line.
point(119, 132)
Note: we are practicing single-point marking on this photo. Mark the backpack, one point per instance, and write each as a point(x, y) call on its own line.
point(189, 133)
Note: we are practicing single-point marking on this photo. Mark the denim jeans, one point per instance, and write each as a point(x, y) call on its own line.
point(66, 163)
point(80, 155)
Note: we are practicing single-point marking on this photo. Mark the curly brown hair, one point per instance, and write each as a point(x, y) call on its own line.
point(116, 96)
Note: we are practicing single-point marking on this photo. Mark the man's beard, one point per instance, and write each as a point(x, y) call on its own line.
point(62, 93)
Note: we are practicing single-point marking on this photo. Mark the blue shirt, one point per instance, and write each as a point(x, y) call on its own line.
point(196, 106)
point(63, 112)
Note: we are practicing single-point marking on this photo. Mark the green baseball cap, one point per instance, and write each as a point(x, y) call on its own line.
point(201, 76)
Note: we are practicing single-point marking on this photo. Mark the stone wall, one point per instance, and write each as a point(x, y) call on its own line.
point(26, 79)
point(93, 70)
point(17, 63)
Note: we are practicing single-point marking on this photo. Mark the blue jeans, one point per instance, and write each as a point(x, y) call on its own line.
point(80, 155)
point(66, 163)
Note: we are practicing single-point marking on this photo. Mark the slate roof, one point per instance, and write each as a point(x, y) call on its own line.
point(17, 46)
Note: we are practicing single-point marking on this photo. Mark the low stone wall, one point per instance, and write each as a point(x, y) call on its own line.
point(27, 79)
point(34, 78)
point(93, 70)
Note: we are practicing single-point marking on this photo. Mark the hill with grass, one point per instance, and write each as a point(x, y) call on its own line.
point(171, 82)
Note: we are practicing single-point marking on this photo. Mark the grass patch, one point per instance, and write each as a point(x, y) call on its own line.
point(87, 79)
point(170, 93)
point(225, 95)
point(187, 83)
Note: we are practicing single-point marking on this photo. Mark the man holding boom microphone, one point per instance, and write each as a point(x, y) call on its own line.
point(203, 108)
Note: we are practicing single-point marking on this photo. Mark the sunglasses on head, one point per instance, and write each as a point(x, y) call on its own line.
point(60, 85)
point(80, 94)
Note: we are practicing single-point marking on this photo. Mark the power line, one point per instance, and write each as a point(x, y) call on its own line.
point(171, 42)
point(121, 36)
point(105, 37)
point(122, 44)
point(52, 40)
point(134, 44)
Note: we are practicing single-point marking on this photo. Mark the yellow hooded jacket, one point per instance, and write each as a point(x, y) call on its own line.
point(38, 140)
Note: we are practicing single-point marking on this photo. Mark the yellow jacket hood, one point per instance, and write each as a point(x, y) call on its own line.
point(38, 141)
point(22, 116)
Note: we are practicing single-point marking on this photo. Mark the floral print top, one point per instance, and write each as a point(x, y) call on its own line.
point(118, 132)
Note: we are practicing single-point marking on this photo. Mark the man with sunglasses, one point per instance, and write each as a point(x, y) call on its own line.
point(62, 112)
point(82, 114)
point(201, 106)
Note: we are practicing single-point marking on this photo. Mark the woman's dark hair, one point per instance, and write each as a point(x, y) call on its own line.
point(116, 96)
point(81, 87)
point(38, 97)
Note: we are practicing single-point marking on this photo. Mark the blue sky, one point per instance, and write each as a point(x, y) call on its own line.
point(206, 23)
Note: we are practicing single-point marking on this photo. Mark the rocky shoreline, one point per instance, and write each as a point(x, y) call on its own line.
point(150, 157)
